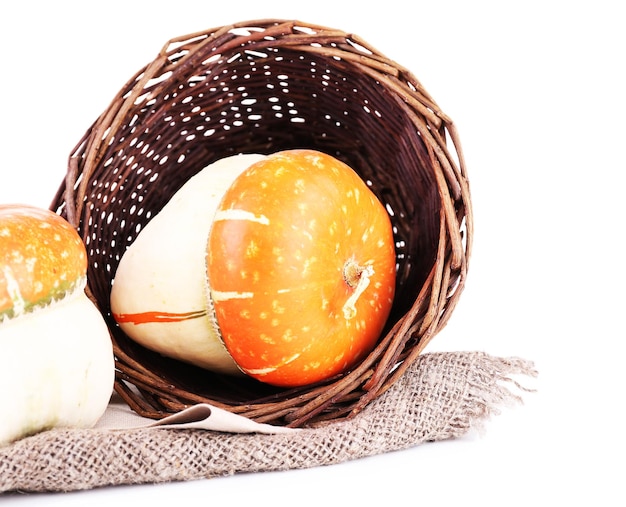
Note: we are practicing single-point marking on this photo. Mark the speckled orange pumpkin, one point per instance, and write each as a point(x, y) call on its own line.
point(301, 268)
point(41, 258)
point(279, 266)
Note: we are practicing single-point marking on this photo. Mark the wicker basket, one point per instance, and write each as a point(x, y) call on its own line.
point(264, 86)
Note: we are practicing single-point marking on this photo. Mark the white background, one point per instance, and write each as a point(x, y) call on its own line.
point(537, 93)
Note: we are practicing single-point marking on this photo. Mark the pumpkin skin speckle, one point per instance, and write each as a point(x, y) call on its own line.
point(301, 268)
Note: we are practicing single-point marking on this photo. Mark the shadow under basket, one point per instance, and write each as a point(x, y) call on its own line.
point(260, 87)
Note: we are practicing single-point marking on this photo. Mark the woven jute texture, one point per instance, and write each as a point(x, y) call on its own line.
point(442, 396)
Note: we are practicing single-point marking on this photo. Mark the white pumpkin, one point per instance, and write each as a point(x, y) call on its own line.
point(159, 295)
point(56, 356)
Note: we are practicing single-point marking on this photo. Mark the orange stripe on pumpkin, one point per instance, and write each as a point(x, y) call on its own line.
point(157, 317)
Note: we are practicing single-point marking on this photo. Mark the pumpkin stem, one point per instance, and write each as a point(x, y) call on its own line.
point(358, 278)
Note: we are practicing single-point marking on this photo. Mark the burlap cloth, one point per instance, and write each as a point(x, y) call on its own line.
point(442, 396)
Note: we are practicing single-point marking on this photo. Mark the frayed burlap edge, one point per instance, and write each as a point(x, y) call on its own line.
point(442, 396)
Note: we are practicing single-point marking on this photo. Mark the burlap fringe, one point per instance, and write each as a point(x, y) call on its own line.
point(442, 396)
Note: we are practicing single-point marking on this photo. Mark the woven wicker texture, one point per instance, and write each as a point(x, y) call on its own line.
point(260, 87)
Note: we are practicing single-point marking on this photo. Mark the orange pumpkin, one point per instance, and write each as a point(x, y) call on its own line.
point(280, 266)
point(42, 259)
point(301, 268)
